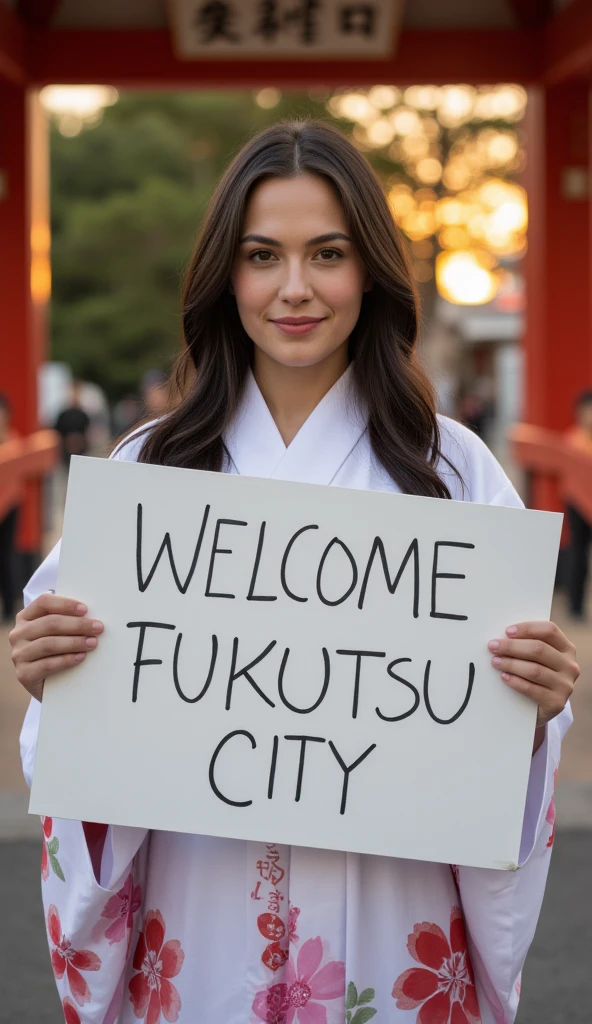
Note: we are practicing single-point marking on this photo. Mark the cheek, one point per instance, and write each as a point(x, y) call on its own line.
point(343, 291)
point(252, 291)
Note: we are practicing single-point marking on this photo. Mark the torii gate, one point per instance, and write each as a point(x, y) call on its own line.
point(545, 45)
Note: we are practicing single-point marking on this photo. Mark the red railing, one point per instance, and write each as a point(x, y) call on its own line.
point(548, 455)
point(25, 459)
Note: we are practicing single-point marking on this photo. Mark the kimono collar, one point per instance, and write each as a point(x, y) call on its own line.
point(320, 447)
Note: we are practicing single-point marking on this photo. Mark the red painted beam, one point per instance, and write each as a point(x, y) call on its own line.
point(566, 43)
point(25, 459)
point(145, 58)
point(12, 47)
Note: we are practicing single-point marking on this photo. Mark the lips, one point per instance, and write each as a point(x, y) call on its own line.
point(297, 325)
point(295, 320)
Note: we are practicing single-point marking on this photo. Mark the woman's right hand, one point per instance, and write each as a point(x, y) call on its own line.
point(50, 635)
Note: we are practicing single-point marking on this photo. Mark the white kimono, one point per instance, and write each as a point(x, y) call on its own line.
point(204, 930)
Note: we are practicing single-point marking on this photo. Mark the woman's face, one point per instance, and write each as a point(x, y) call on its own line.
point(297, 277)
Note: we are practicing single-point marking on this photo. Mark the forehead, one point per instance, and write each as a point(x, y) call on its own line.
point(307, 203)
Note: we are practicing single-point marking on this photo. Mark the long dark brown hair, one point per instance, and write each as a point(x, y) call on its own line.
point(210, 374)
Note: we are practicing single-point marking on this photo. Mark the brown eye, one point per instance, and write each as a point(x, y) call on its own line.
point(261, 256)
point(329, 255)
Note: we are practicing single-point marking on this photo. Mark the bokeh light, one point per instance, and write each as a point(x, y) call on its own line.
point(268, 98)
point(455, 151)
point(73, 107)
point(462, 277)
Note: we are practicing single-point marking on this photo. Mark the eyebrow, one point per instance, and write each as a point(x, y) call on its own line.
point(331, 236)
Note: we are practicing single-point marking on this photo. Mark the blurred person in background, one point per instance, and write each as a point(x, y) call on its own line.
point(580, 529)
point(73, 425)
point(155, 393)
point(126, 414)
point(8, 525)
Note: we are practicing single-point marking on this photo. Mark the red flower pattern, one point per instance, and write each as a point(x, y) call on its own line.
point(70, 961)
point(443, 986)
point(271, 926)
point(274, 956)
point(121, 909)
point(47, 825)
point(71, 1015)
point(156, 961)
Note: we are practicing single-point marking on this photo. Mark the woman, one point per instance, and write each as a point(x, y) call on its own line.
point(300, 322)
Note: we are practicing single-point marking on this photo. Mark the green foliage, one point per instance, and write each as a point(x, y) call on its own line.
point(127, 199)
point(52, 849)
point(353, 1000)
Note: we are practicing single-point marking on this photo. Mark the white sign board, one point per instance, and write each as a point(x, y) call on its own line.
point(285, 28)
point(294, 663)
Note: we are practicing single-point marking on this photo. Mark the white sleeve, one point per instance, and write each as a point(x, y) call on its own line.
point(94, 909)
point(482, 478)
point(501, 908)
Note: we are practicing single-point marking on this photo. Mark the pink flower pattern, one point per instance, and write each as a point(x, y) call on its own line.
point(121, 909)
point(308, 986)
point(550, 817)
point(293, 915)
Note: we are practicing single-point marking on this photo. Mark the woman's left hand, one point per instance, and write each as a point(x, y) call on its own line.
point(537, 659)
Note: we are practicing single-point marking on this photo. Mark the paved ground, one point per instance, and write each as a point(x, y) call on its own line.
point(557, 986)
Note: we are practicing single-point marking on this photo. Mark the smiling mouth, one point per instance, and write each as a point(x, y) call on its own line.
point(297, 320)
point(296, 326)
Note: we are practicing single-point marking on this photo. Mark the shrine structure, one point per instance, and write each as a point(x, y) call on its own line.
point(545, 45)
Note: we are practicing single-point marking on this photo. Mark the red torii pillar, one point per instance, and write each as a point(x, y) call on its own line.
point(24, 276)
point(558, 337)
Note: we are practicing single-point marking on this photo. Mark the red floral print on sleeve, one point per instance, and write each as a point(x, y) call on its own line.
point(69, 961)
point(49, 851)
point(156, 961)
point(71, 1015)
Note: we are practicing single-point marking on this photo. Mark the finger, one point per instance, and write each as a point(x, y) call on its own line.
point(550, 704)
point(548, 632)
point(61, 625)
point(35, 672)
point(528, 650)
point(51, 604)
point(528, 670)
point(52, 646)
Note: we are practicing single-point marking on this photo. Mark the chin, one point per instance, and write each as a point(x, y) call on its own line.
point(300, 354)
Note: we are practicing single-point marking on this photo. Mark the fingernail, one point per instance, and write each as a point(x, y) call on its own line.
point(91, 641)
point(97, 626)
point(512, 630)
point(79, 657)
point(496, 661)
point(493, 645)
point(81, 609)
point(505, 677)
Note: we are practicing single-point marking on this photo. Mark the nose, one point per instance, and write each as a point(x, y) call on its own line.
point(295, 287)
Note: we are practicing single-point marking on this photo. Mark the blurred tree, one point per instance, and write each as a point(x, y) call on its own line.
point(128, 195)
point(129, 192)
